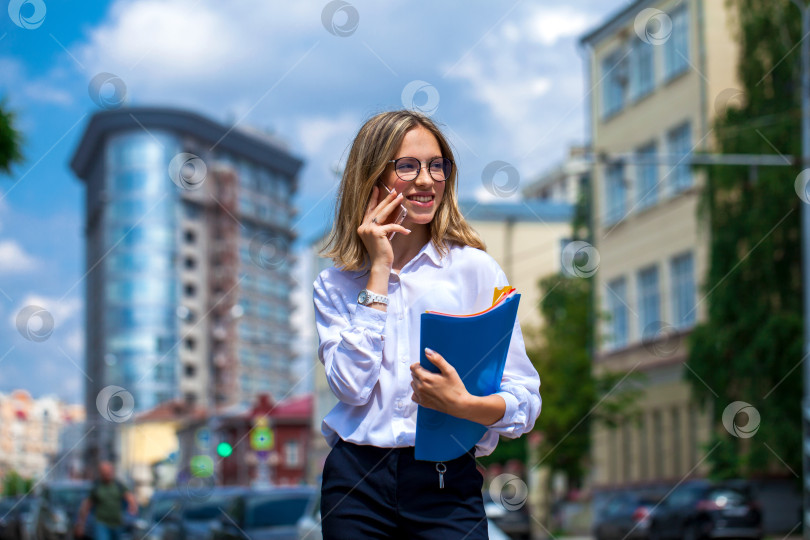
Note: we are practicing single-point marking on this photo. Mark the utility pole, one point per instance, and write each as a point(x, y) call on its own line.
point(805, 163)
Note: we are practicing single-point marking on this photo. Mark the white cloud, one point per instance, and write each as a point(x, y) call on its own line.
point(186, 42)
point(547, 25)
point(483, 195)
point(44, 92)
point(74, 343)
point(14, 259)
point(315, 133)
point(64, 312)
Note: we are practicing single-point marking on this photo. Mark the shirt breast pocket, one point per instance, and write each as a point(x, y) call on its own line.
point(445, 298)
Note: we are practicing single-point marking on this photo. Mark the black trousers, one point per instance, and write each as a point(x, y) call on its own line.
point(371, 492)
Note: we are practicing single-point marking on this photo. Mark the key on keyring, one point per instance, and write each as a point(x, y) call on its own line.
point(441, 468)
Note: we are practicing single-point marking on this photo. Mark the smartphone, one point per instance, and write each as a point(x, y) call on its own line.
point(403, 213)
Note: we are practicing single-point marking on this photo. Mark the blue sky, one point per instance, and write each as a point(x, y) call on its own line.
point(504, 78)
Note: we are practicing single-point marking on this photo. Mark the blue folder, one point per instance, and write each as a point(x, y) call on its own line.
point(476, 346)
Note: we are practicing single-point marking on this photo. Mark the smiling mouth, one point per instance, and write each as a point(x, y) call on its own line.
point(421, 198)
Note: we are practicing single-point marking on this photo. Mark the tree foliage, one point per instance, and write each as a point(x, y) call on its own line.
point(14, 484)
point(750, 346)
point(10, 140)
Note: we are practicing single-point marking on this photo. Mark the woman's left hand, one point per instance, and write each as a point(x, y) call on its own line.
point(443, 391)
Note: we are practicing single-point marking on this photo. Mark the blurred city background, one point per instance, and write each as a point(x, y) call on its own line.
point(168, 172)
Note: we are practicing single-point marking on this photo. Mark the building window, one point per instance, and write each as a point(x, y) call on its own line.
point(189, 289)
point(676, 442)
point(190, 263)
point(627, 452)
point(613, 456)
point(682, 270)
point(647, 171)
point(291, 457)
point(676, 48)
point(692, 426)
point(658, 441)
point(617, 310)
point(190, 343)
point(189, 370)
point(616, 193)
point(642, 70)
point(189, 236)
point(679, 141)
point(644, 454)
point(614, 83)
point(649, 302)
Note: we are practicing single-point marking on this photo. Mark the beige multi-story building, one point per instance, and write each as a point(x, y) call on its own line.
point(658, 70)
point(526, 239)
point(564, 181)
point(30, 430)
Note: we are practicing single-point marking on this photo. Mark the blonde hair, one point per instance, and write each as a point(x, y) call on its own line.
point(375, 144)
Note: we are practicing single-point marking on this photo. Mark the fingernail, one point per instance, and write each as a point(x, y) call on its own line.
point(429, 351)
point(409, 231)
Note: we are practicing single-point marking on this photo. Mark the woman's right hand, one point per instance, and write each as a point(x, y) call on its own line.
point(374, 234)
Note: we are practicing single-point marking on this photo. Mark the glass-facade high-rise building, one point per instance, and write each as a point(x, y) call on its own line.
point(188, 235)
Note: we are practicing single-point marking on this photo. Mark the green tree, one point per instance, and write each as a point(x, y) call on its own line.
point(14, 484)
point(750, 345)
point(10, 140)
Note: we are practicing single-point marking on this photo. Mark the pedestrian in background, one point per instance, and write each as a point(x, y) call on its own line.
point(107, 498)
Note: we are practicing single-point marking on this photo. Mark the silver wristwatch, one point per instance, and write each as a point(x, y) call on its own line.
point(366, 298)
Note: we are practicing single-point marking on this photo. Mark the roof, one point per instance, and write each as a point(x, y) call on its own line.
point(614, 22)
point(538, 211)
point(294, 407)
point(260, 148)
point(168, 411)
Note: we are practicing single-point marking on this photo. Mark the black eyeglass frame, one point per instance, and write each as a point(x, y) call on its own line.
point(419, 168)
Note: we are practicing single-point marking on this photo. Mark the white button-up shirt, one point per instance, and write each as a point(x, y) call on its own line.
point(367, 353)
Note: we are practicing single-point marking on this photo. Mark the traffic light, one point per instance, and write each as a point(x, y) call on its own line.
point(224, 449)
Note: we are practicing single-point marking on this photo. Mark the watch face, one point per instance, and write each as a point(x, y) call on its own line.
point(362, 297)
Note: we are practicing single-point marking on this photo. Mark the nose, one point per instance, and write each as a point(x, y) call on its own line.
point(423, 178)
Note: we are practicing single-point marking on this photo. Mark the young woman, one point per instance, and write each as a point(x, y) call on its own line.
point(367, 312)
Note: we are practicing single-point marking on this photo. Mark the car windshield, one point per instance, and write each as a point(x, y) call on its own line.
point(160, 508)
point(69, 498)
point(207, 510)
point(274, 511)
point(726, 497)
point(6, 507)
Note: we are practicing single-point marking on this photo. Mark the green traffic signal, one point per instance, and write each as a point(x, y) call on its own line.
point(224, 449)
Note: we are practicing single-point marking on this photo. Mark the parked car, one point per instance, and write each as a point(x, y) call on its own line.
point(264, 514)
point(515, 523)
point(28, 518)
point(701, 509)
point(12, 512)
point(58, 508)
point(309, 525)
point(195, 519)
point(626, 515)
point(152, 517)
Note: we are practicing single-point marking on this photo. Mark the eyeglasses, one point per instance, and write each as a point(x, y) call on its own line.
point(408, 168)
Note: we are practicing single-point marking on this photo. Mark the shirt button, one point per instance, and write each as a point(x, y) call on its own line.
point(399, 404)
point(403, 359)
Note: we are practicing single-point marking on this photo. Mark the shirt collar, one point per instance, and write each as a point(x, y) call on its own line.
point(431, 252)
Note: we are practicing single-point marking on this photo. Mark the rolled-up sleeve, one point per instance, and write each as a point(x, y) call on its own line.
point(520, 389)
point(351, 345)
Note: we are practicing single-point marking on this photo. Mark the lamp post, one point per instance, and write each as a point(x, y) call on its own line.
point(805, 163)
